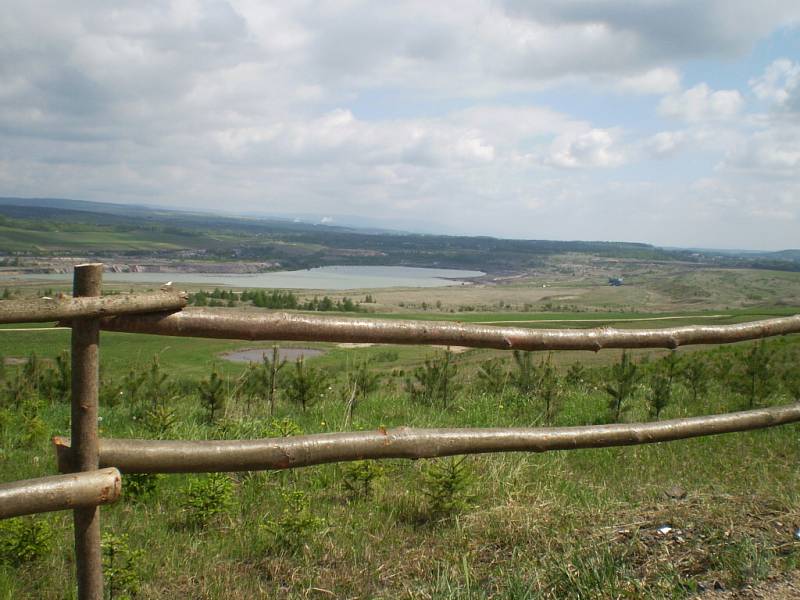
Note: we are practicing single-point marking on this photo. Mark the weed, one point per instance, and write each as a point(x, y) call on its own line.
point(592, 573)
point(746, 560)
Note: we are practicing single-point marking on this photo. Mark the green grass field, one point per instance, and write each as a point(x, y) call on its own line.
point(576, 524)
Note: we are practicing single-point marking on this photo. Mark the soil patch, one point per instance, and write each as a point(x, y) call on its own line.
point(23, 360)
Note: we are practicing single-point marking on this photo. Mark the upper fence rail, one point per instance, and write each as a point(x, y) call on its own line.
point(43, 310)
point(282, 326)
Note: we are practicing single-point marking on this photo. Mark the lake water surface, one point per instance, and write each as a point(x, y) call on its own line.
point(321, 278)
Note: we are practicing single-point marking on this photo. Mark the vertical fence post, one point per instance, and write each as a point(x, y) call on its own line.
point(85, 387)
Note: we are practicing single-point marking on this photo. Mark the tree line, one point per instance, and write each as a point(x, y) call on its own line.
point(274, 299)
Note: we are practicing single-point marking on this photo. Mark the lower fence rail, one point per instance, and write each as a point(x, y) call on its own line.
point(178, 456)
point(59, 492)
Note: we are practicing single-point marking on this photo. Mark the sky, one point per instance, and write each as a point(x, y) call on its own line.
point(672, 122)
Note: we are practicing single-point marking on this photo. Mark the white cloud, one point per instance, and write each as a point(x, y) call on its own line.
point(661, 80)
point(771, 151)
point(779, 85)
point(700, 103)
point(593, 148)
point(674, 29)
point(665, 144)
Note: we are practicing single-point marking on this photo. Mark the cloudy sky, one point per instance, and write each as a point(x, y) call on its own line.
point(674, 122)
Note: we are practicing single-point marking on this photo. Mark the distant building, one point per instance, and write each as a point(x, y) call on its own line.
point(615, 281)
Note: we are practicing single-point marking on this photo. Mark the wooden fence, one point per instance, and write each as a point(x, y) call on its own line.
point(92, 464)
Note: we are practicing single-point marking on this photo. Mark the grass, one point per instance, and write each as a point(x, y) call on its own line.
point(579, 524)
point(15, 239)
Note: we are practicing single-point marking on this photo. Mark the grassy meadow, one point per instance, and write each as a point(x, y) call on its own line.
point(658, 521)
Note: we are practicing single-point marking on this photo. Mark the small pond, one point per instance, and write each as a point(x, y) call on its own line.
point(257, 354)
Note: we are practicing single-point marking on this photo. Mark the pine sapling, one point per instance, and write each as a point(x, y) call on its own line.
point(212, 395)
point(695, 375)
point(624, 376)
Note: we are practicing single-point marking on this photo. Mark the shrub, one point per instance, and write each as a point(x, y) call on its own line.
point(138, 487)
point(261, 380)
point(212, 394)
point(306, 384)
point(359, 475)
point(269, 376)
point(56, 383)
point(525, 378)
point(34, 430)
point(360, 383)
point(447, 483)
point(434, 382)
point(155, 386)
point(121, 567)
point(549, 385)
point(576, 374)
point(290, 530)
point(206, 498)
point(284, 428)
point(661, 382)
point(695, 376)
point(24, 540)
point(624, 378)
point(160, 420)
point(492, 377)
point(754, 379)
point(660, 394)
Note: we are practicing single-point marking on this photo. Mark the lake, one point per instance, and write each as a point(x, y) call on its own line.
point(321, 278)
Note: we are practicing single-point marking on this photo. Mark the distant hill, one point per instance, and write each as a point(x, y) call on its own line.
point(61, 226)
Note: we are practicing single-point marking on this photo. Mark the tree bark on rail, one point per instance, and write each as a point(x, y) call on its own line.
point(251, 325)
point(173, 456)
point(60, 492)
point(43, 310)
